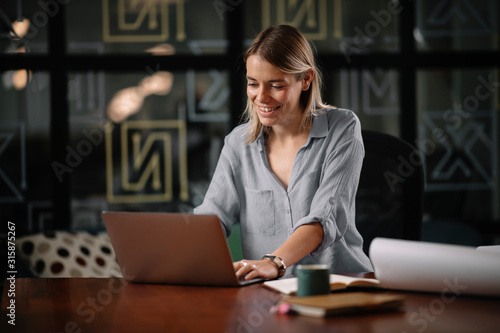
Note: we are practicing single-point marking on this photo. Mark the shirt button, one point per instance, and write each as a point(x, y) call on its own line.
point(331, 201)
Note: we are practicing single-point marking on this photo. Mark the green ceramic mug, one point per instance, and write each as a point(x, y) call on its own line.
point(312, 280)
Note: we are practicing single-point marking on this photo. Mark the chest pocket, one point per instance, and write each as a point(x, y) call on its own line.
point(259, 212)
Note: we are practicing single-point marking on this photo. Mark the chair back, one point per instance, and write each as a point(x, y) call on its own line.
point(389, 201)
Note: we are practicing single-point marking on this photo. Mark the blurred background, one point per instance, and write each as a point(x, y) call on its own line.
point(124, 104)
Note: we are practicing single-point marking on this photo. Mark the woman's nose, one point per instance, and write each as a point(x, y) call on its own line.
point(262, 94)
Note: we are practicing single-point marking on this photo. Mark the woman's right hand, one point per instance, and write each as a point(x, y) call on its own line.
point(252, 269)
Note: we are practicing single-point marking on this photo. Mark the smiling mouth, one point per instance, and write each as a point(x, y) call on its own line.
point(264, 109)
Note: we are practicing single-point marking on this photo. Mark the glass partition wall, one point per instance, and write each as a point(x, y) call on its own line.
point(124, 105)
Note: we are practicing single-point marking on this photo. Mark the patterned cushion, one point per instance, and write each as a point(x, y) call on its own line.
point(65, 254)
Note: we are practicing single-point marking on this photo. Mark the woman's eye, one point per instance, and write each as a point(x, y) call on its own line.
point(277, 87)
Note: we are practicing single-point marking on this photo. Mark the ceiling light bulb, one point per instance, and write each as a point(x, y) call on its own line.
point(20, 28)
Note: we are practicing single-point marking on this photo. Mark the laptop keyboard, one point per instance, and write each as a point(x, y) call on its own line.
point(244, 282)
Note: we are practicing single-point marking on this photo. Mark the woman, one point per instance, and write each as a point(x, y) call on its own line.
point(289, 175)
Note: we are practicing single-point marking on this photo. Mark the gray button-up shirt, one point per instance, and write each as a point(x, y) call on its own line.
point(322, 188)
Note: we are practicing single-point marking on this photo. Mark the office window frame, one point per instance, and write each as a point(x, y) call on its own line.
point(59, 63)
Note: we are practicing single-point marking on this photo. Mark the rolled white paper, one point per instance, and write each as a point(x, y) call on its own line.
point(448, 269)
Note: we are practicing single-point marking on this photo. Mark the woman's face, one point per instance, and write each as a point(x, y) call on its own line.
point(274, 94)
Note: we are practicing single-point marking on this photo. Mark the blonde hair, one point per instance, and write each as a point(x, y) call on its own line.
point(285, 48)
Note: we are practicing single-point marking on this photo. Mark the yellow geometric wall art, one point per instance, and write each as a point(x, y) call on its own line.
point(130, 21)
point(146, 162)
point(310, 16)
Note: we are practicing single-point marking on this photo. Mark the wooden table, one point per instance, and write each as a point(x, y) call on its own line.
point(112, 305)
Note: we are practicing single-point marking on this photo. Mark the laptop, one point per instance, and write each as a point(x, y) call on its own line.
point(171, 248)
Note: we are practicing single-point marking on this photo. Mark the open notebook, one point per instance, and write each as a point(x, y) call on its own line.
point(289, 286)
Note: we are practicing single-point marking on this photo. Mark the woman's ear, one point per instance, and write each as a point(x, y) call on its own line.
point(306, 81)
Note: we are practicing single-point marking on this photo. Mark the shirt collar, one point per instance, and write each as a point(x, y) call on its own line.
point(319, 127)
point(260, 140)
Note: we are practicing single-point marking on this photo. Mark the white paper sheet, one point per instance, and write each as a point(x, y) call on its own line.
point(447, 269)
point(492, 248)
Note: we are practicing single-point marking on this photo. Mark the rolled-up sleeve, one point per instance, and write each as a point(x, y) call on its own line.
point(333, 203)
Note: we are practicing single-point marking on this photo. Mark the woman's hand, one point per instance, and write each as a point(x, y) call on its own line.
point(252, 269)
point(304, 240)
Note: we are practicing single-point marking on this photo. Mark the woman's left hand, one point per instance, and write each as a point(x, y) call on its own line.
point(252, 269)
